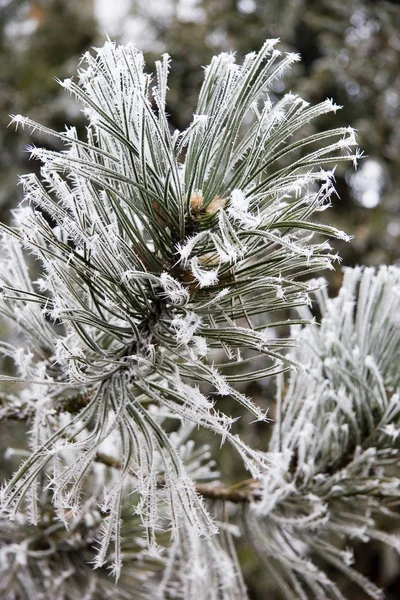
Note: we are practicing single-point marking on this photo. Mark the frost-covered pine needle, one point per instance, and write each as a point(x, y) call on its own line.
point(155, 250)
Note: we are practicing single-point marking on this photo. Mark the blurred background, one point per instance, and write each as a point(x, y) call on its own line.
point(350, 52)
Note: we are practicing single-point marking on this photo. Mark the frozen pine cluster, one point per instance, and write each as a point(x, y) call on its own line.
point(149, 275)
point(333, 454)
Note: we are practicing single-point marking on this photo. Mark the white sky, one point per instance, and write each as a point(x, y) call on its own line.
point(110, 15)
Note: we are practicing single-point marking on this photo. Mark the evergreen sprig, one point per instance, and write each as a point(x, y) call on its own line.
point(159, 252)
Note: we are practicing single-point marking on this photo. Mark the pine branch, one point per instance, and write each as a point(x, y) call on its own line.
point(241, 493)
point(155, 250)
point(334, 452)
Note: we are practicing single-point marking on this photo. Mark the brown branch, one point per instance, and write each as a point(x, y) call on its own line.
point(240, 493)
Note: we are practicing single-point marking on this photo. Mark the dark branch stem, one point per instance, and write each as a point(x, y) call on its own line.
point(235, 494)
point(240, 493)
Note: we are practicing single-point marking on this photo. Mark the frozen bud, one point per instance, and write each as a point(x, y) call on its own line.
point(196, 202)
point(215, 204)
